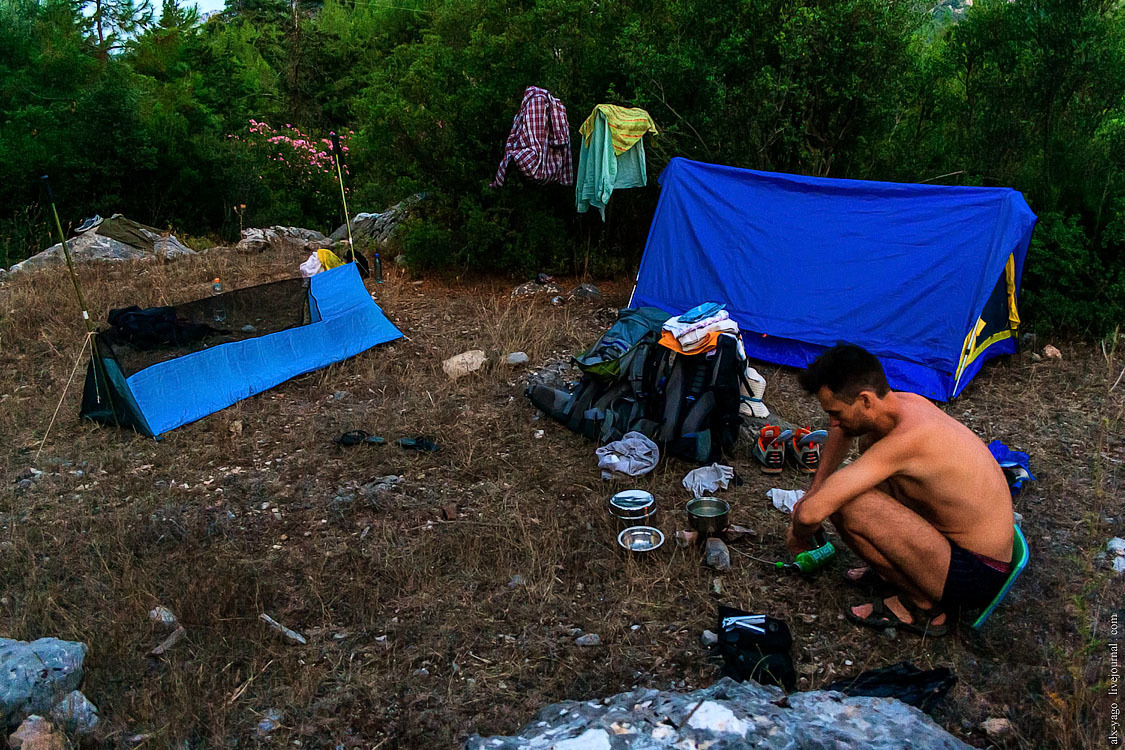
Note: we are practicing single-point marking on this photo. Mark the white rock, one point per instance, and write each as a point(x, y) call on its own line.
point(709, 638)
point(36, 733)
point(75, 714)
point(717, 718)
point(162, 616)
point(517, 358)
point(590, 639)
point(591, 739)
point(464, 363)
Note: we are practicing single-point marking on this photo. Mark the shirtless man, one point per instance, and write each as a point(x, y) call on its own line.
point(925, 505)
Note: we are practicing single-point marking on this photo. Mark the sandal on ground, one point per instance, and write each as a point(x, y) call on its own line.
point(883, 617)
point(355, 437)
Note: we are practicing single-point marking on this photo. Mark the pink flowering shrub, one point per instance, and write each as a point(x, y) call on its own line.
point(297, 171)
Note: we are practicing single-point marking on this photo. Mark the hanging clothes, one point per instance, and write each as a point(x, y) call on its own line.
point(539, 142)
point(612, 156)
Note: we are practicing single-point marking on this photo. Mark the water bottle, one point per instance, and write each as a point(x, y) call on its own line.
point(811, 560)
point(220, 312)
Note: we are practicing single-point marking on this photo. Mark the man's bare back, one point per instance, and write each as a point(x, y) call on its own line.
point(947, 475)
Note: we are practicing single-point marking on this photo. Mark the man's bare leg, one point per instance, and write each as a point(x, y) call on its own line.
point(902, 547)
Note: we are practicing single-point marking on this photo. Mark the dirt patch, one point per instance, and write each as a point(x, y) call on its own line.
point(417, 630)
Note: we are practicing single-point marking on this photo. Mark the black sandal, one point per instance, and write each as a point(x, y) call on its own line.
point(883, 617)
point(355, 437)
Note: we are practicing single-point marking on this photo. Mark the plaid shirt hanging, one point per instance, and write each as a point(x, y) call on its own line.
point(539, 143)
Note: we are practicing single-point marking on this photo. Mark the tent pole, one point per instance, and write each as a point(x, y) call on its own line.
point(91, 329)
point(336, 152)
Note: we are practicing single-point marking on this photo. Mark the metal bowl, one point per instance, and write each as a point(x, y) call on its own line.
point(640, 538)
point(633, 507)
point(708, 515)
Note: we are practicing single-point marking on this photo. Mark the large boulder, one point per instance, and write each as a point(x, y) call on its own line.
point(377, 228)
point(116, 238)
point(256, 240)
point(37, 676)
point(727, 715)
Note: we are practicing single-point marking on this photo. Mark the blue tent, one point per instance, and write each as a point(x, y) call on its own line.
point(331, 319)
point(926, 277)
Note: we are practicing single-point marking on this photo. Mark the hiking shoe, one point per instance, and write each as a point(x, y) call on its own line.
point(804, 449)
point(769, 448)
point(89, 224)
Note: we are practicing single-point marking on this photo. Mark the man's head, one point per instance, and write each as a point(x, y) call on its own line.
point(850, 384)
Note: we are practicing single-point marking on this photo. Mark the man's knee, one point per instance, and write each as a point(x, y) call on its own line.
point(859, 513)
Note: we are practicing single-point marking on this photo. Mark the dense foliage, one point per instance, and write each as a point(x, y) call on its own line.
point(157, 115)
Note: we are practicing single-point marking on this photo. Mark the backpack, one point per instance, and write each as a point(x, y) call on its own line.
point(610, 353)
point(686, 403)
point(694, 400)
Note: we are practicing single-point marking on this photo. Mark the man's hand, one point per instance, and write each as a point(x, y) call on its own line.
point(797, 543)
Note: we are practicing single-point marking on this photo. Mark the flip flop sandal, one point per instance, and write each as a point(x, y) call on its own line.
point(418, 444)
point(883, 617)
point(355, 437)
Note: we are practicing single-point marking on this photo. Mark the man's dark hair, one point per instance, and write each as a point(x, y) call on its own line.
point(846, 370)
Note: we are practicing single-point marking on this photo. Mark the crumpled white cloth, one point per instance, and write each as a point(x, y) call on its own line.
point(785, 499)
point(634, 454)
point(311, 267)
point(708, 479)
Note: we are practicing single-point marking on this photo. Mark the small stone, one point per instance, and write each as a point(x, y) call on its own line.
point(340, 395)
point(449, 512)
point(162, 616)
point(889, 633)
point(271, 721)
point(236, 427)
point(517, 358)
point(590, 639)
point(539, 434)
point(517, 581)
point(996, 728)
point(717, 586)
point(421, 672)
point(464, 363)
point(586, 292)
point(249, 329)
point(734, 532)
point(709, 638)
point(36, 733)
point(24, 484)
point(75, 714)
point(1050, 352)
point(716, 555)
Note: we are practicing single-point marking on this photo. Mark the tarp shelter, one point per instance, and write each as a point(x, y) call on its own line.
point(252, 339)
point(926, 277)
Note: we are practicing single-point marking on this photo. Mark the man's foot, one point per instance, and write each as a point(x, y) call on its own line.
point(863, 576)
point(894, 612)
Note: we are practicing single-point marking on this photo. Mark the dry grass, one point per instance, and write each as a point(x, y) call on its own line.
point(221, 524)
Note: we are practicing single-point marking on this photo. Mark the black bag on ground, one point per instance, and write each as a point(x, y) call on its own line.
point(913, 686)
point(755, 647)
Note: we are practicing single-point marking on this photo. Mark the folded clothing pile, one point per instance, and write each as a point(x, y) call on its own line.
point(697, 331)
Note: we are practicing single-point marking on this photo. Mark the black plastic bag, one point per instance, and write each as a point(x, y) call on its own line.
point(915, 687)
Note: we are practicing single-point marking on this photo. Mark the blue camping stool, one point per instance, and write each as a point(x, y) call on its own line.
point(1020, 556)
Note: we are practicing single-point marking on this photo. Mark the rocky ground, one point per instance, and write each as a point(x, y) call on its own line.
point(444, 594)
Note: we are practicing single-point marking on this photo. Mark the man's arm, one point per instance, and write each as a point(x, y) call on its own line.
point(880, 462)
point(832, 454)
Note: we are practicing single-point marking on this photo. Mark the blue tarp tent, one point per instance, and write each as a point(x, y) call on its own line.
point(332, 319)
point(926, 277)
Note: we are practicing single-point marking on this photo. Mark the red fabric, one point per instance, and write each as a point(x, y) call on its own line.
point(539, 143)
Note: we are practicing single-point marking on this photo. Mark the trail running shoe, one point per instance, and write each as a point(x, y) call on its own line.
point(769, 448)
point(89, 224)
point(804, 449)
